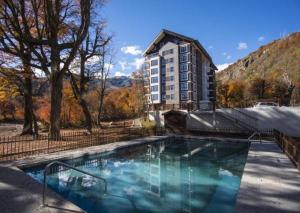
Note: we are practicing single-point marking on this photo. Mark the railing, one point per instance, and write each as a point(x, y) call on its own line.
point(289, 145)
point(46, 171)
point(12, 148)
point(243, 119)
point(70, 167)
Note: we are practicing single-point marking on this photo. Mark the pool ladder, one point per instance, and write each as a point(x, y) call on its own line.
point(47, 168)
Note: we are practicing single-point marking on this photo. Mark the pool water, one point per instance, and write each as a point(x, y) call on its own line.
point(174, 175)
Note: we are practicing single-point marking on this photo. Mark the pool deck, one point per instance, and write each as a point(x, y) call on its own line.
point(21, 193)
point(270, 182)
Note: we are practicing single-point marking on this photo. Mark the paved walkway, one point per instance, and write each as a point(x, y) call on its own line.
point(270, 182)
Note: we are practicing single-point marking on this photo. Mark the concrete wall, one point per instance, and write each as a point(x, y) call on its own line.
point(285, 119)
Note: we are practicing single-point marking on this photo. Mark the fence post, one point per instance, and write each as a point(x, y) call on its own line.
point(47, 142)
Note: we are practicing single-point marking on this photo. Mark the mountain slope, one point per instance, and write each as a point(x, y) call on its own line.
point(276, 59)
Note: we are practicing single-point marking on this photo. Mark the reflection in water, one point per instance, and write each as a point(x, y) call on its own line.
point(177, 175)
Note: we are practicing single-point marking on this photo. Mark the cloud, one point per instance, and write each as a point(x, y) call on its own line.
point(133, 50)
point(261, 38)
point(137, 63)
point(227, 55)
point(210, 47)
point(222, 66)
point(242, 46)
point(108, 66)
point(119, 74)
point(124, 65)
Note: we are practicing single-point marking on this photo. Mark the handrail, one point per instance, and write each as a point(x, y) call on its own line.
point(253, 134)
point(244, 119)
point(68, 166)
point(79, 170)
point(249, 116)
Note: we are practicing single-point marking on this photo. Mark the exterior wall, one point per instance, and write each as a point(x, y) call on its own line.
point(171, 77)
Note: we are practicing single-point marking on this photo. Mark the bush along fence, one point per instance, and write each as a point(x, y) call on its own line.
point(289, 145)
point(15, 147)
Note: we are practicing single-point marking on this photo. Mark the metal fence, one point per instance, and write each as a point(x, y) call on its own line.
point(12, 148)
point(289, 145)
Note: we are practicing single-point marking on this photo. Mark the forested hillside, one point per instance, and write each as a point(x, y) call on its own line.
point(272, 72)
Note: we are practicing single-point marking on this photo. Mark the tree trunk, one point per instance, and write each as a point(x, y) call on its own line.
point(78, 96)
point(87, 115)
point(56, 81)
point(28, 103)
point(100, 107)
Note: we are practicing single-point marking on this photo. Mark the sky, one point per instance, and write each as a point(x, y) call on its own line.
point(228, 29)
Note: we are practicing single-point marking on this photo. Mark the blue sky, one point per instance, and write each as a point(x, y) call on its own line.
point(228, 29)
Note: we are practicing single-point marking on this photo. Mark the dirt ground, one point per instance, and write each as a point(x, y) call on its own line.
point(10, 129)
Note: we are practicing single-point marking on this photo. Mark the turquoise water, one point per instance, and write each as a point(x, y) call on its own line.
point(177, 175)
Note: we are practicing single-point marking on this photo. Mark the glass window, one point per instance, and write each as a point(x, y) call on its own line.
point(171, 69)
point(154, 62)
point(154, 80)
point(170, 87)
point(163, 70)
point(183, 49)
point(183, 96)
point(183, 86)
point(154, 71)
point(154, 97)
point(183, 58)
point(172, 96)
point(183, 67)
point(167, 52)
point(183, 76)
point(154, 88)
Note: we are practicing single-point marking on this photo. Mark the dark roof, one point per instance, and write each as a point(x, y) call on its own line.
point(182, 37)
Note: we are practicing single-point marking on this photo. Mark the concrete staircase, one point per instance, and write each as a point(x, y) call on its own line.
point(204, 121)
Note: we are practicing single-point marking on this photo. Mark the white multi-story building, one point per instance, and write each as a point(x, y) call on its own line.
point(180, 73)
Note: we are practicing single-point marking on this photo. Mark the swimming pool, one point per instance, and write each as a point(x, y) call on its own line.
point(173, 175)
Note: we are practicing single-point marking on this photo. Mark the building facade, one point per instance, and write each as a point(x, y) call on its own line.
point(179, 73)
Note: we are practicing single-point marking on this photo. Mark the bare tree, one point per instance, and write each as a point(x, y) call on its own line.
point(89, 49)
point(104, 71)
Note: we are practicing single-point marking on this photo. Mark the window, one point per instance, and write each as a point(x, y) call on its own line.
point(154, 71)
point(154, 80)
point(171, 69)
point(168, 60)
point(163, 70)
point(146, 65)
point(163, 88)
point(183, 76)
point(183, 49)
point(163, 97)
point(172, 96)
point(163, 79)
point(154, 97)
point(170, 78)
point(183, 86)
point(170, 87)
point(154, 62)
point(154, 88)
point(167, 97)
point(167, 52)
point(183, 58)
point(183, 96)
point(183, 67)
